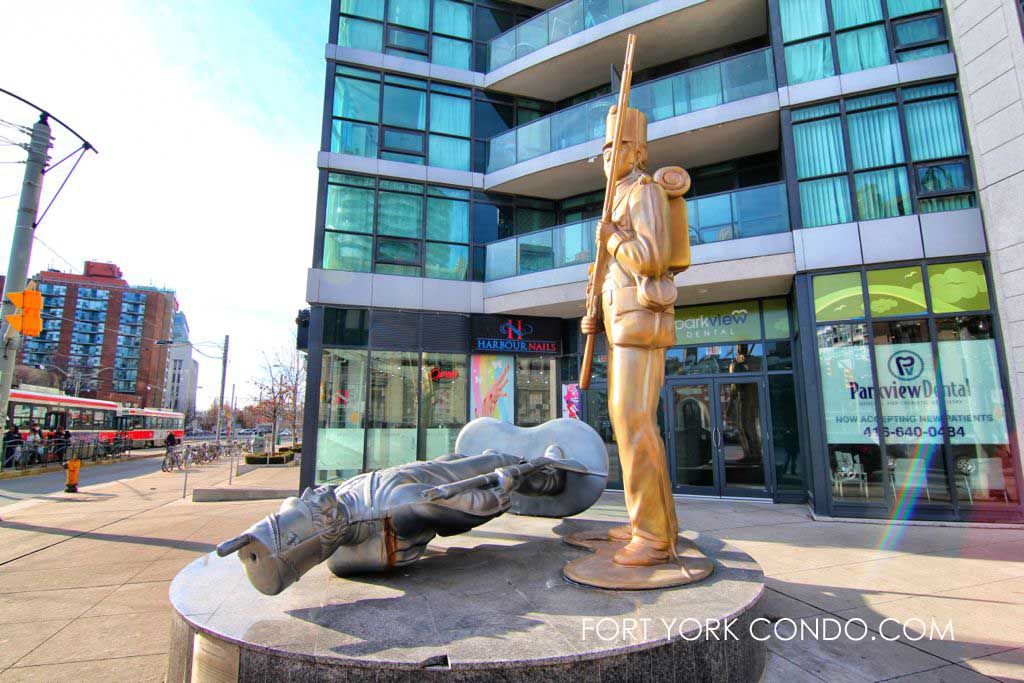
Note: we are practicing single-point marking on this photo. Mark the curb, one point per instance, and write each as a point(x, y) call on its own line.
point(219, 495)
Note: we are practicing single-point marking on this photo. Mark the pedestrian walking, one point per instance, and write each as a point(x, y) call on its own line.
point(12, 444)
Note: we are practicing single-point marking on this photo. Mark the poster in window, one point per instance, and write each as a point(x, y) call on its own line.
point(975, 411)
point(908, 394)
point(848, 395)
point(493, 386)
point(571, 400)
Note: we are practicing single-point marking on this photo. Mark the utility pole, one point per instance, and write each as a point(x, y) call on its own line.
point(223, 379)
point(231, 461)
point(21, 251)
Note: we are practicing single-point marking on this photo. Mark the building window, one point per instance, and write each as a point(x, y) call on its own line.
point(419, 121)
point(445, 32)
point(443, 403)
point(873, 157)
point(342, 416)
point(912, 388)
point(863, 34)
point(400, 228)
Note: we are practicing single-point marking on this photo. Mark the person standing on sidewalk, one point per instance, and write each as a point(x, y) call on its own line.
point(32, 448)
point(12, 442)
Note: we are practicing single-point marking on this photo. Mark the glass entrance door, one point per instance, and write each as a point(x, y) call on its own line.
point(715, 431)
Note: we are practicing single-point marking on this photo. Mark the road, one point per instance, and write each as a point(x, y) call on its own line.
point(33, 486)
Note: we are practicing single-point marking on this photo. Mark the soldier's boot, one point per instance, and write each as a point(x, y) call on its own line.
point(623, 532)
point(642, 553)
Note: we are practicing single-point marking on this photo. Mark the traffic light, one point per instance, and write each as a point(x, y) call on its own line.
point(27, 317)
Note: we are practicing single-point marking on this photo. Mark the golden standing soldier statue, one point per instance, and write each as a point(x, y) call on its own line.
point(642, 241)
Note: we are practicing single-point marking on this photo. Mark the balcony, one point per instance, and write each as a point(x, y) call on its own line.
point(750, 212)
point(706, 86)
point(568, 48)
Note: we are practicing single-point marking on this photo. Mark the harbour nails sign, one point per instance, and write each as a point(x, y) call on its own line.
point(516, 334)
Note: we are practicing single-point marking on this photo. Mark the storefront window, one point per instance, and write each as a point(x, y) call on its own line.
point(394, 387)
point(493, 386)
point(983, 466)
point(909, 396)
point(535, 390)
point(785, 433)
point(939, 389)
point(851, 423)
point(342, 418)
point(443, 409)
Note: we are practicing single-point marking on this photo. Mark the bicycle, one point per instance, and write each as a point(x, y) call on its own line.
point(172, 459)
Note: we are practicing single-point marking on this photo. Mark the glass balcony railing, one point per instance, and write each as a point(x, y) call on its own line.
point(706, 86)
point(749, 212)
point(553, 25)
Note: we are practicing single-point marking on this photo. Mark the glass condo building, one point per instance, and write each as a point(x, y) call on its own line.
point(849, 331)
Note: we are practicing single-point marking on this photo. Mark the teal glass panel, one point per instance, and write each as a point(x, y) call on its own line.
point(446, 261)
point(704, 87)
point(400, 215)
point(882, 194)
point(825, 202)
point(404, 158)
point(407, 40)
point(536, 252)
point(368, 9)
point(394, 269)
point(399, 186)
point(533, 139)
point(453, 18)
point(356, 99)
point(808, 113)
point(922, 53)
point(411, 13)
point(574, 243)
point(654, 99)
point(402, 251)
point(359, 139)
point(819, 148)
point(747, 75)
point(359, 34)
point(809, 61)
point(350, 209)
point(760, 210)
point(569, 127)
point(531, 35)
point(565, 20)
point(802, 18)
point(407, 54)
point(346, 70)
point(348, 252)
point(875, 138)
point(933, 128)
point(929, 90)
point(404, 107)
point(864, 48)
point(847, 13)
point(447, 220)
point(501, 259)
point(451, 192)
point(395, 79)
point(953, 175)
point(457, 54)
point(921, 30)
point(350, 179)
point(952, 203)
point(397, 139)
point(501, 151)
point(900, 8)
point(448, 152)
point(868, 101)
point(449, 115)
point(501, 50)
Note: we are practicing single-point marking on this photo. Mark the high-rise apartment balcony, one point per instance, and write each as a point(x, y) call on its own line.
point(568, 48)
point(740, 214)
point(548, 157)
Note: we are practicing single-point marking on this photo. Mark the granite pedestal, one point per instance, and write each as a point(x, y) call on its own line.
point(488, 605)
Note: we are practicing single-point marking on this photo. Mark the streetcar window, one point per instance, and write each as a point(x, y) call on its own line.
point(22, 414)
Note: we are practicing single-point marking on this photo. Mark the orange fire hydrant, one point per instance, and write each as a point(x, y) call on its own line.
point(71, 482)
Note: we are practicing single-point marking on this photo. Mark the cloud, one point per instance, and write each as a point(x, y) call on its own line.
point(954, 284)
point(879, 306)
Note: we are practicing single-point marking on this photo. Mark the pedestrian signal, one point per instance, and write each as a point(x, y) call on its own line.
point(27, 317)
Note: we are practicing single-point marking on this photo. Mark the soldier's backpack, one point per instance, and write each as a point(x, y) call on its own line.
point(676, 181)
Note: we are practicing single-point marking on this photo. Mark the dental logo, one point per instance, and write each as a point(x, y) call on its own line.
point(906, 366)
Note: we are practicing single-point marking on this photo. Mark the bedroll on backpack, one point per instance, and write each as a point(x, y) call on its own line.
point(676, 181)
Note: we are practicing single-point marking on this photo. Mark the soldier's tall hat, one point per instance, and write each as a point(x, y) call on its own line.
point(634, 129)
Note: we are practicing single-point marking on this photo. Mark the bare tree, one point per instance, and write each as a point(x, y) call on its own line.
point(281, 393)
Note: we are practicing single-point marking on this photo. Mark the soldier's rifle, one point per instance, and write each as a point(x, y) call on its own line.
point(600, 265)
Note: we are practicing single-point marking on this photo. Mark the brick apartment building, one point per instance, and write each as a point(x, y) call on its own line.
point(99, 334)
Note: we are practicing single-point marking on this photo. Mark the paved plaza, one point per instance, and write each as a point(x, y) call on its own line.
point(84, 580)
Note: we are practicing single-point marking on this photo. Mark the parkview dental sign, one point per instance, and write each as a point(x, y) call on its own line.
point(735, 321)
point(909, 393)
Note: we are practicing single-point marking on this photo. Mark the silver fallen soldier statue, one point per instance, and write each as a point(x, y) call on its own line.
point(384, 519)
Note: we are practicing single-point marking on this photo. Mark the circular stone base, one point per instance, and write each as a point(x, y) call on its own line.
point(599, 569)
point(490, 603)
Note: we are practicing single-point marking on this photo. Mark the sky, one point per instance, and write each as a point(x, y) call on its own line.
point(206, 115)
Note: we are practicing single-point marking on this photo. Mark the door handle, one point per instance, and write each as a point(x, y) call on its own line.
point(716, 437)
